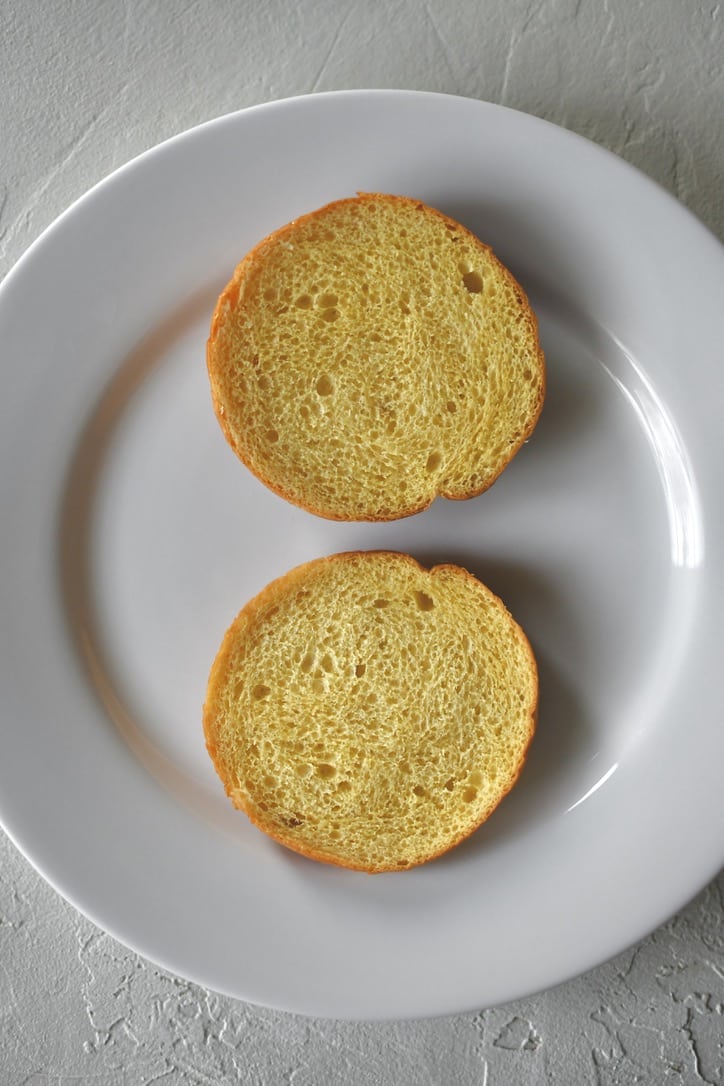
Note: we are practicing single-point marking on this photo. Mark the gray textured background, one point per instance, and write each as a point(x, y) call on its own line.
point(86, 85)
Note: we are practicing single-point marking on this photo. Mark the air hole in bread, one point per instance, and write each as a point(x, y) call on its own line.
point(330, 314)
point(272, 436)
point(360, 670)
point(469, 795)
point(261, 691)
point(424, 602)
point(324, 385)
point(451, 406)
point(419, 790)
point(450, 785)
point(327, 663)
point(473, 281)
point(381, 602)
point(325, 770)
point(433, 461)
point(307, 663)
point(270, 782)
point(328, 301)
point(304, 301)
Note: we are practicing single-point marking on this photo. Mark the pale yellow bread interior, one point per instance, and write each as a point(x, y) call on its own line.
point(367, 712)
point(372, 355)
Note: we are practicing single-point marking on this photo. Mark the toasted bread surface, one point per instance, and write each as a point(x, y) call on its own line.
point(372, 355)
point(367, 712)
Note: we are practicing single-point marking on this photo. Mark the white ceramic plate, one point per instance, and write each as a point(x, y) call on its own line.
point(132, 535)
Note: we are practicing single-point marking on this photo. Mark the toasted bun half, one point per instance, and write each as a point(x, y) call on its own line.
point(367, 712)
point(372, 355)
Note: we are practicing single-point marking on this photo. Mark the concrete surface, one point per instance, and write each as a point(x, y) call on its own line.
point(86, 84)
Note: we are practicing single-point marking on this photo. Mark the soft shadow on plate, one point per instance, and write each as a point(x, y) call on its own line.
point(570, 407)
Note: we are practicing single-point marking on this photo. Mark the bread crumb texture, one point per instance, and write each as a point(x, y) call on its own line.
point(372, 355)
point(367, 712)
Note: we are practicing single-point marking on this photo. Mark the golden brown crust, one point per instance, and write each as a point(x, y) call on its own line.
point(270, 595)
point(228, 299)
